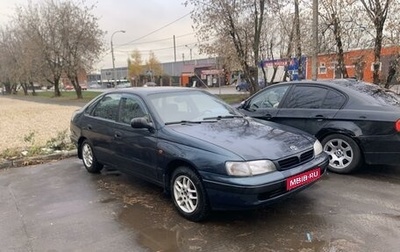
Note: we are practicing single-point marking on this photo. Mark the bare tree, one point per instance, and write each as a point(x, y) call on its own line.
point(332, 19)
point(8, 60)
point(240, 21)
point(67, 36)
point(377, 11)
point(81, 40)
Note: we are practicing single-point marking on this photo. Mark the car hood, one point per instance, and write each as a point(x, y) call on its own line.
point(248, 138)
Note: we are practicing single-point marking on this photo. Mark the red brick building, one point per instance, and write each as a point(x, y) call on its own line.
point(359, 64)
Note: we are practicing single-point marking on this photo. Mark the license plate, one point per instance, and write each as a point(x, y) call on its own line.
point(303, 178)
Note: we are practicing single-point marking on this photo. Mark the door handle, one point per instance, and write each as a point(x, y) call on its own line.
point(319, 117)
point(268, 116)
point(89, 126)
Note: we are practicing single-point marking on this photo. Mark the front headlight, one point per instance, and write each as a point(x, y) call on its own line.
point(250, 168)
point(317, 148)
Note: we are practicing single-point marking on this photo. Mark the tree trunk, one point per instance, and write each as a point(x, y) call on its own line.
point(298, 40)
point(377, 55)
point(33, 88)
point(78, 88)
point(57, 92)
point(339, 44)
point(25, 88)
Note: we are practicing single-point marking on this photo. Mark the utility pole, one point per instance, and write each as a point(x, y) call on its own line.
point(314, 65)
point(174, 49)
point(113, 59)
point(190, 51)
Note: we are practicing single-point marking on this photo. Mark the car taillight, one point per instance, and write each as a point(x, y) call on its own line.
point(397, 125)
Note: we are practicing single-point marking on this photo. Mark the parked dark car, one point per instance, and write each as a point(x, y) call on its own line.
point(202, 151)
point(355, 121)
point(242, 86)
point(245, 86)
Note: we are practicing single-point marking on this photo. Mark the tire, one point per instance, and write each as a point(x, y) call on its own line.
point(238, 89)
point(88, 158)
point(344, 153)
point(189, 195)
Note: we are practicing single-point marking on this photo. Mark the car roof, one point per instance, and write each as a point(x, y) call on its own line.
point(341, 84)
point(360, 92)
point(151, 90)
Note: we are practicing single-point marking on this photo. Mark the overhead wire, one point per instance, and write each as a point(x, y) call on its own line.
point(159, 40)
point(144, 36)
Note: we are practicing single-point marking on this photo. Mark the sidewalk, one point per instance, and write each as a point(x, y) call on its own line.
point(25, 161)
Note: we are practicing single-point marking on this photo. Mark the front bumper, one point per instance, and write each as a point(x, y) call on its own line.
point(236, 193)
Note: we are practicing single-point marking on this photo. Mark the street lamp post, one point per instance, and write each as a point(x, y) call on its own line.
point(190, 50)
point(113, 59)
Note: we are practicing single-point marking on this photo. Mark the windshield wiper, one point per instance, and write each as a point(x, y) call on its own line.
point(187, 122)
point(222, 117)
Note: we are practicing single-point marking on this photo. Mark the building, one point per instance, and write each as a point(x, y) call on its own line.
point(359, 64)
point(179, 73)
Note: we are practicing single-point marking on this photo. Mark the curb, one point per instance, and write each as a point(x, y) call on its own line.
point(19, 162)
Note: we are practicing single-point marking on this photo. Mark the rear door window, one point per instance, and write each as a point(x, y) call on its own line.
point(306, 97)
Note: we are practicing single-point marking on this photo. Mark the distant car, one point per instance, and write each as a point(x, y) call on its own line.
point(355, 121)
point(70, 87)
point(94, 86)
point(150, 84)
point(203, 152)
point(123, 84)
point(244, 86)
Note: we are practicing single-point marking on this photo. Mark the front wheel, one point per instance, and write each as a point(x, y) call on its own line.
point(88, 158)
point(189, 195)
point(344, 153)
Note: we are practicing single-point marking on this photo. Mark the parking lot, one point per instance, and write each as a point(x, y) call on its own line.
point(60, 207)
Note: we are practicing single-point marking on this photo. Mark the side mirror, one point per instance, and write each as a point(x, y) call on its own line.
point(243, 104)
point(141, 123)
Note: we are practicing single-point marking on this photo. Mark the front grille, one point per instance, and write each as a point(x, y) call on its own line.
point(304, 157)
point(292, 161)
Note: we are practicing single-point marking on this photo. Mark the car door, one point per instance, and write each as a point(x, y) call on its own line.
point(265, 105)
point(97, 127)
point(135, 149)
point(310, 107)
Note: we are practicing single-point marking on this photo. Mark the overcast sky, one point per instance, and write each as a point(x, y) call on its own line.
point(159, 19)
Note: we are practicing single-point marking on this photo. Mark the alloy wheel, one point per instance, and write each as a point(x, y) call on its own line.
point(87, 155)
point(340, 153)
point(186, 194)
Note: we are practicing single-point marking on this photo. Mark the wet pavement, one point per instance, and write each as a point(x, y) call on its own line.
point(61, 207)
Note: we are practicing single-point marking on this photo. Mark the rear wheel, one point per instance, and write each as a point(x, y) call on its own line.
point(88, 158)
point(189, 195)
point(344, 153)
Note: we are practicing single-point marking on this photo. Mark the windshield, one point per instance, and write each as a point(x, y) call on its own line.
point(190, 106)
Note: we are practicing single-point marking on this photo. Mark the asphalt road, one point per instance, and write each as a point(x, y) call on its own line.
point(60, 207)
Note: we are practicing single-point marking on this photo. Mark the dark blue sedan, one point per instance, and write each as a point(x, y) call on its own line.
point(203, 152)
